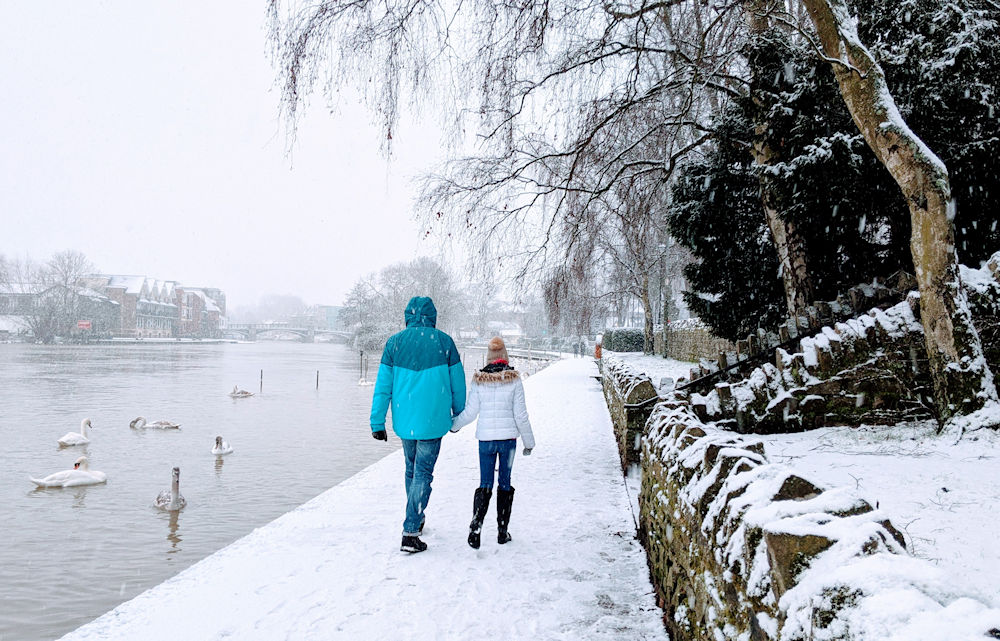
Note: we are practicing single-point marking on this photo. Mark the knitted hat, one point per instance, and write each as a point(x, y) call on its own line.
point(496, 350)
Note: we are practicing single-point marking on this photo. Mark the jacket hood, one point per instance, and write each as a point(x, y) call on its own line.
point(420, 312)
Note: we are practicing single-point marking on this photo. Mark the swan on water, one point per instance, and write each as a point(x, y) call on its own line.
point(81, 474)
point(140, 423)
point(171, 499)
point(77, 438)
point(221, 447)
point(239, 393)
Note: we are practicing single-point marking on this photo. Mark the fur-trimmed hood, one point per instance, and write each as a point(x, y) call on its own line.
point(503, 376)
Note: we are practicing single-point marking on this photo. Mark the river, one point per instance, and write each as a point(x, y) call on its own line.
point(69, 555)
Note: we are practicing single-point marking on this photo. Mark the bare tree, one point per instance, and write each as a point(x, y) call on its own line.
point(25, 279)
point(963, 381)
point(554, 89)
point(574, 293)
point(376, 302)
point(634, 245)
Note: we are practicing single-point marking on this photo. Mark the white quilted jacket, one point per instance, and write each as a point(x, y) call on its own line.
point(498, 399)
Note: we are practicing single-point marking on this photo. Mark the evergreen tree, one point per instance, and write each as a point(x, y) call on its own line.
point(823, 177)
point(830, 185)
point(942, 65)
point(734, 285)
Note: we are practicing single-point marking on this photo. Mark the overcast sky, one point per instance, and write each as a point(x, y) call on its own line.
point(145, 135)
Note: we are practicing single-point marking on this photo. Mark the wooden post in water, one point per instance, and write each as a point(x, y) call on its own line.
point(317, 379)
point(261, 391)
point(361, 364)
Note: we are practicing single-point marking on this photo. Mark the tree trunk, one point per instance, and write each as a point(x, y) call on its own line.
point(647, 312)
point(789, 244)
point(791, 251)
point(963, 382)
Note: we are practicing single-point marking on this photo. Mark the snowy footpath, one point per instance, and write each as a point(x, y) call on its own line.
point(332, 569)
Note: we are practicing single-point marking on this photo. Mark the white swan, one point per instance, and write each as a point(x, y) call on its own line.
point(77, 438)
point(239, 393)
point(139, 423)
point(81, 474)
point(171, 499)
point(221, 447)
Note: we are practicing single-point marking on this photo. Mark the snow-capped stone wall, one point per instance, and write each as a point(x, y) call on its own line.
point(870, 368)
point(744, 549)
point(867, 367)
point(630, 396)
point(741, 548)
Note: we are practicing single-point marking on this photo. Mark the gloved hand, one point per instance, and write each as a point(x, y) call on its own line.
point(527, 451)
point(379, 435)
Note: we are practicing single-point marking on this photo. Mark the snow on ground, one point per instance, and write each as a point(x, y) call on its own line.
point(331, 569)
point(941, 494)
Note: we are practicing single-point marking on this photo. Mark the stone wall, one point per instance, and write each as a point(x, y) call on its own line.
point(630, 396)
point(729, 535)
point(871, 369)
point(691, 340)
point(743, 549)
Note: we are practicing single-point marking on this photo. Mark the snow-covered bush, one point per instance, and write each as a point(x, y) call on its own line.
point(623, 339)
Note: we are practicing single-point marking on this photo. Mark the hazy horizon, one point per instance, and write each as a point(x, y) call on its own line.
point(147, 137)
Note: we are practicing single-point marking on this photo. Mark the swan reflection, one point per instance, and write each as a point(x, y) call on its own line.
point(80, 496)
point(173, 535)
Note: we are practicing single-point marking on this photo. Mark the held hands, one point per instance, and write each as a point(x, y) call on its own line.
point(379, 435)
point(454, 430)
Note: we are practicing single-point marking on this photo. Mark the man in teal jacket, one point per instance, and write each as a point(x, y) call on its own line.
point(421, 378)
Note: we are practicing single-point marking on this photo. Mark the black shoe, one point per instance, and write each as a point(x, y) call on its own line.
point(412, 545)
point(503, 536)
point(474, 539)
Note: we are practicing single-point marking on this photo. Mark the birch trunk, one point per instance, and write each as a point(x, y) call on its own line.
point(647, 311)
point(789, 244)
point(963, 382)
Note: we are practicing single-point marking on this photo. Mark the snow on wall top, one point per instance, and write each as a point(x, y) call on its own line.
point(856, 571)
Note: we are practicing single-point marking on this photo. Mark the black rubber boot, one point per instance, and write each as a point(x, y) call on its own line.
point(504, 500)
point(480, 503)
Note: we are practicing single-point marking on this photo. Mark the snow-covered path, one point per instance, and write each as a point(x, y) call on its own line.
point(332, 569)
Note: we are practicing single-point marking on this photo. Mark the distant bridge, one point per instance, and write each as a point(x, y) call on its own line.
point(252, 331)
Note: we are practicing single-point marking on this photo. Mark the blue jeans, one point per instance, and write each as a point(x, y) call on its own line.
point(489, 451)
point(421, 455)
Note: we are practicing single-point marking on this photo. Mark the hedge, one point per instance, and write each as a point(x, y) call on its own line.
point(623, 339)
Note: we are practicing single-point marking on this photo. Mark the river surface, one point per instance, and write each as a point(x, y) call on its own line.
point(69, 555)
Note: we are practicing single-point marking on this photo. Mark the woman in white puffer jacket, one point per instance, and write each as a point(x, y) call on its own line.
point(497, 397)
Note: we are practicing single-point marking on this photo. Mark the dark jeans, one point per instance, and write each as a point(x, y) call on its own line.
point(489, 452)
point(421, 455)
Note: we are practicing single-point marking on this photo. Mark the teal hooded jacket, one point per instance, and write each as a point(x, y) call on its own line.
point(420, 377)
